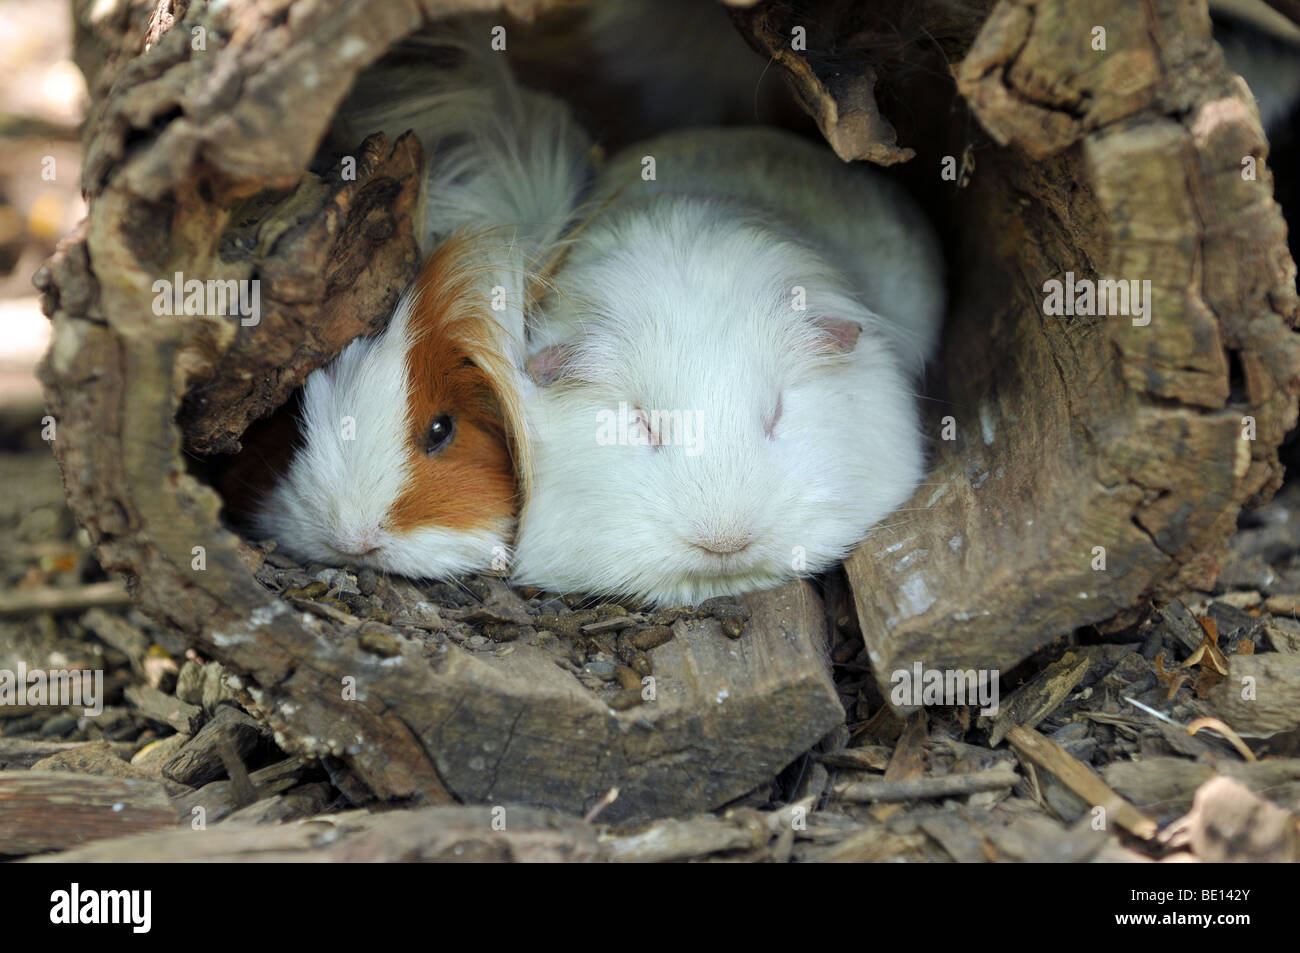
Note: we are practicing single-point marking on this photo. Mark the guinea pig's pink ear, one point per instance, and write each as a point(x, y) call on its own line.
point(551, 363)
point(841, 336)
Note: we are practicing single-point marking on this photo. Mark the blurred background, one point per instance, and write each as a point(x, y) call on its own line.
point(42, 101)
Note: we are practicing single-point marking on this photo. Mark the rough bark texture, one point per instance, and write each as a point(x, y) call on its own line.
point(1080, 432)
point(433, 834)
point(1071, 433)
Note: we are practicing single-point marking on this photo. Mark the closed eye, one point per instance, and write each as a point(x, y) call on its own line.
point(641, 421)
point(769, 426)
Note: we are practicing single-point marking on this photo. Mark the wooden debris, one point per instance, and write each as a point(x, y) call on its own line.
point(865, 758)
point(1080, 779)
point(672, 840)
point(121, 635)
point(915, 789)
point(1029, 704)
point(1214, 724)
point(155, 754)
point(55, 810)
point(203, 685)
point(465, 834)
point(165, 709)
point(1284, 605)
point(97, 757)
point(200, 761)
point(301, 801)
point(957, 832)
point(1036, 838)
point(1260, 696)
point(60, 599)
point(1183, 625)
point(842, 100)
point(23, 752)
point(1283, 635)
point(908, 760)
point(220, 799)
point(1165, 785)
point(1246, 599)
point(873, 845)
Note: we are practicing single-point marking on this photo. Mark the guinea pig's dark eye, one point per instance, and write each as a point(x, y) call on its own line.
point(441, 429)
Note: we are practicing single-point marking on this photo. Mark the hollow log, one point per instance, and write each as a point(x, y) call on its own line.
point(1054, 435)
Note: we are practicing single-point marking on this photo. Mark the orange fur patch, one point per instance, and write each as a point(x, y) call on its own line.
point(452, 368)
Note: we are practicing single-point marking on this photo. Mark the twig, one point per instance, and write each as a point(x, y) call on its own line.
point(1080, 779)
point(919, 789)
point(56, 599)
point(1214, 724)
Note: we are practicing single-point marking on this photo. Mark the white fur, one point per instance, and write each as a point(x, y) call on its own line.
point(506, 166)
point(678, 296)
point(335, 499)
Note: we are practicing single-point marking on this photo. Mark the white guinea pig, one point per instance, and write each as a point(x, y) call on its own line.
point(728, 363)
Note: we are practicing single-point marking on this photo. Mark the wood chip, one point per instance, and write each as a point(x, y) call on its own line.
point(1165, 785)
point(673, 840)
point(114, 630)
point(220, 799)
point(1182, 624)
point(1029, 704)
point(1261, 695)
point(165, 709)
point(866, 758)
point(917, 789)
point(1287, 605)
point(54, 810)
point(908, 761)
point(200, 761)
point(1080, 779)
point(97, 757)
point(23, 753)
point(55, 599)
point(1246, 599)
point(426, 834)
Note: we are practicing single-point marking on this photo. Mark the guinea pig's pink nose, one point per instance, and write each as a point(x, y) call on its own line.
point(722, 544)
point(359, 544)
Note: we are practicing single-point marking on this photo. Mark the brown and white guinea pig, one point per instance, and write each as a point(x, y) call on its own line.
point(411, 440)
point(405, 459)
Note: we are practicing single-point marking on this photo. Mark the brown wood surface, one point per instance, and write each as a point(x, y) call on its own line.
point(1078, 432)
point(55, 810)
